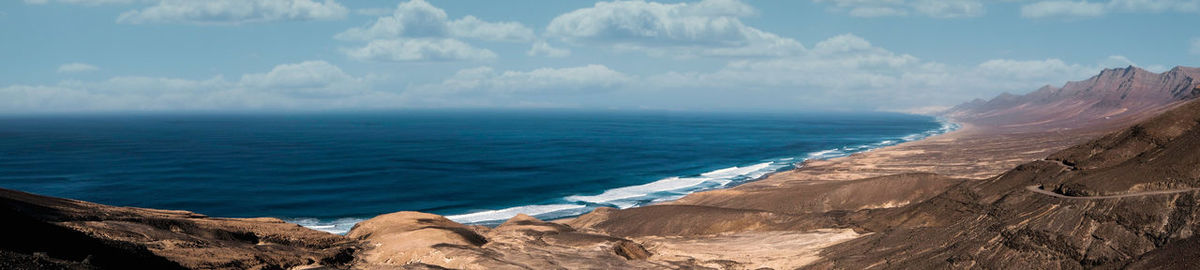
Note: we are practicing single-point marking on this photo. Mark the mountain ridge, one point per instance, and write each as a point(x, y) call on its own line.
point(1125, 94)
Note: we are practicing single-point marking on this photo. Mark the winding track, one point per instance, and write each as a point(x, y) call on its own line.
point(1039, 190)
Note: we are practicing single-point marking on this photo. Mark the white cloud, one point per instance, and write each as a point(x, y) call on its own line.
point(230, 12)
point(1195, 46)
point(309, 78)
point(543, 87)
point(876, 11)
point(473, 28)
point(841, 62)
point(949, 8)
point(842, 43)
point(82, 2)
point(931, 8)
point(1079, 9)
point(301, 86)
point(418, 49)
point(1063, 8)
point(76, 67)
point(1036, 70)
point(417, 31)
point(418, 18)
point(553, 80)
point(415, 18)
point(706, 28)
point(1155, 6)
point(541, 48)
point(373, 11)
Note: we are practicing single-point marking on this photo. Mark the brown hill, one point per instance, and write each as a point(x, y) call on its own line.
point(1114, 96)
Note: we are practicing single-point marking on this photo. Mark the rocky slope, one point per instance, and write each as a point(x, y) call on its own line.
point(1127, 199)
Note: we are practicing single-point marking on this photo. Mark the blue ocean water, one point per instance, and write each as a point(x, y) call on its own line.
point(328, 171)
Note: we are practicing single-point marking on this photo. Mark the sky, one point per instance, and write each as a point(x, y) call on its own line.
point(712, 55)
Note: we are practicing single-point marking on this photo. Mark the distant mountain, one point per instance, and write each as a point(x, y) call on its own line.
point(1116, 96)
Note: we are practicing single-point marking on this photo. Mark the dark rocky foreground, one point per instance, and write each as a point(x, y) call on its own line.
point(53, 233)
point(1061, 178)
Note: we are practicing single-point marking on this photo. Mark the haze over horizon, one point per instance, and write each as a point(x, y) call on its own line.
point(318, 55)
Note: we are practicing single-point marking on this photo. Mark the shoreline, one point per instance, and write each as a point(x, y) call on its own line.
point(633, 196)
point(947, 126)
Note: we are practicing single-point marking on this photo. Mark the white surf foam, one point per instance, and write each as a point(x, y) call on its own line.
point(733, 172)
point(336, 226)
point(620, 197)
point(945, 127)
point(825, 154)
point(506, 213)
point(630, 196)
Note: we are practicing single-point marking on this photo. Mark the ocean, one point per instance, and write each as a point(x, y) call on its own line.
point(330, 170)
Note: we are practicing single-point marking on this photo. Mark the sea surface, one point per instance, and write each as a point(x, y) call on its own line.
point(328, 171)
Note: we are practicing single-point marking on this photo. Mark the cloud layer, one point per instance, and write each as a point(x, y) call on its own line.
point(835, 71)
point(76, 67)
point(541, 48)
point(571, 63)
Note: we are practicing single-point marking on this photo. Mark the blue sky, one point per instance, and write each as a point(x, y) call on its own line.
point(314, 55)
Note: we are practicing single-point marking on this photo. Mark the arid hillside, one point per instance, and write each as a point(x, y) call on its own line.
point(1127, 199)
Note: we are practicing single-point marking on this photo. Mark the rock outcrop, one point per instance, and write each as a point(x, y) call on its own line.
point(406, 239)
